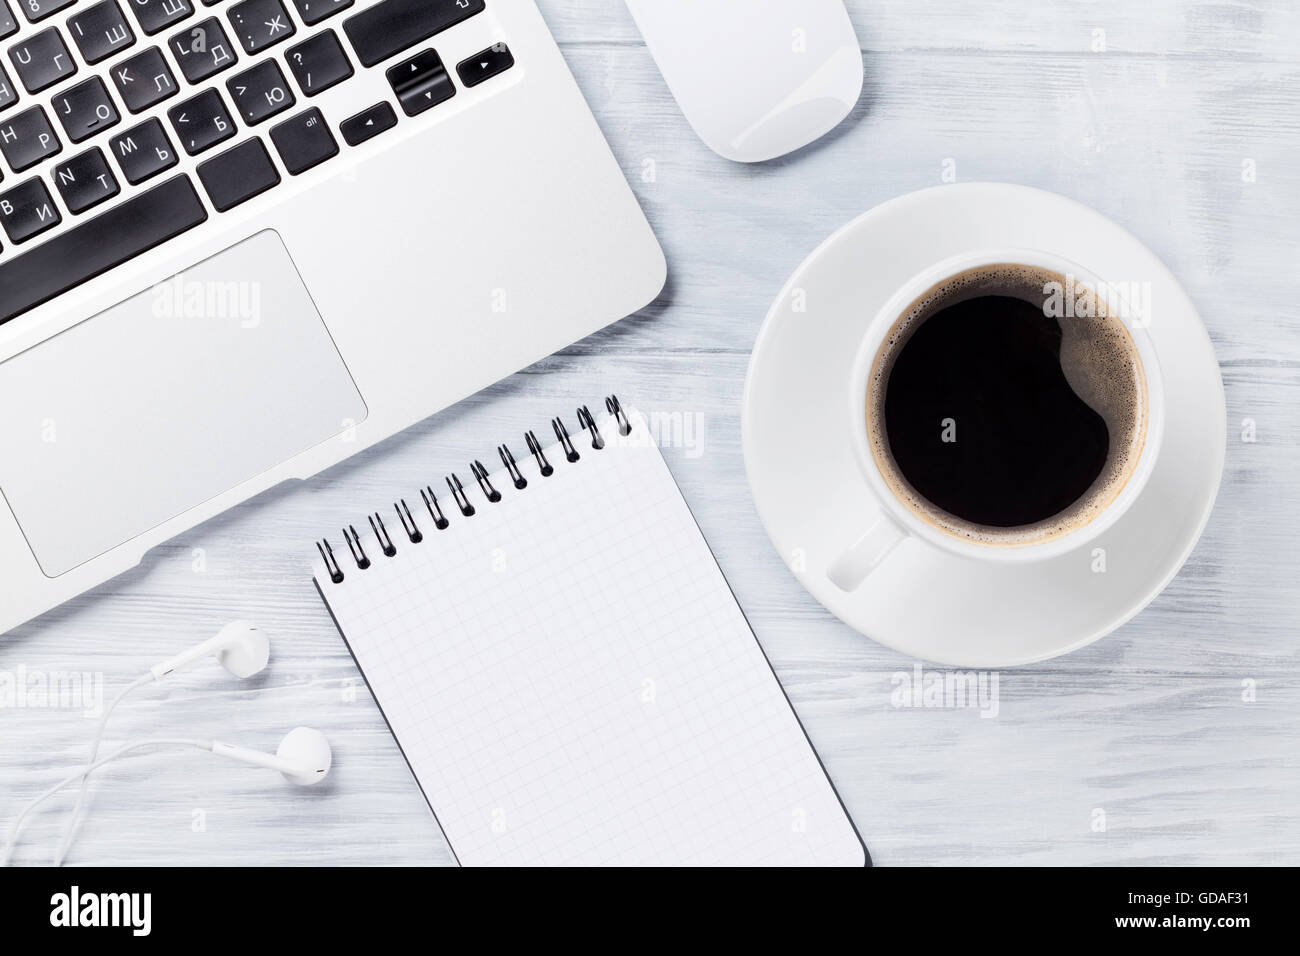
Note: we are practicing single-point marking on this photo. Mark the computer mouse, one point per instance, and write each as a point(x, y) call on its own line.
point(756, 79)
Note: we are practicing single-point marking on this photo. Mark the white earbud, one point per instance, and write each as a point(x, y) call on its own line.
point(303, 757)
point(241, 648)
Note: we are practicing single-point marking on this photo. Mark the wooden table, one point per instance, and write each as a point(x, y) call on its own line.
point(1175, 740)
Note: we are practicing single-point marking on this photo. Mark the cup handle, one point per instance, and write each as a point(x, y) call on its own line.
point(850, 569)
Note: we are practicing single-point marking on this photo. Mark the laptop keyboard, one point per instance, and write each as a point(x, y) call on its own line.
point(84, 183)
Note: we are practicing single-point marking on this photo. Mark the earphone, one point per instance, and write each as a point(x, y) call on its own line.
point(240, 647)
point(243, 649)
point(303, 758)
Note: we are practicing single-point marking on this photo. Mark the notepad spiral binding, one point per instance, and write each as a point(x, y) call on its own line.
point(384, 539)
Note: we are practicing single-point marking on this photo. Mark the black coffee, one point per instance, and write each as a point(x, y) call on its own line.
point(1004, 421)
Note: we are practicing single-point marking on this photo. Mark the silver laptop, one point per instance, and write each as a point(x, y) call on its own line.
point(241, 240)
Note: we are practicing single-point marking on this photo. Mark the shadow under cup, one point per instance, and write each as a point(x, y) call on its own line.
point(1008, 404)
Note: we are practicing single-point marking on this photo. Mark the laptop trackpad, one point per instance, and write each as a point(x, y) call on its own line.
point(166, 400)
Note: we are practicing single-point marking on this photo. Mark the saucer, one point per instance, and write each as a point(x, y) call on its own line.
point(813, 499)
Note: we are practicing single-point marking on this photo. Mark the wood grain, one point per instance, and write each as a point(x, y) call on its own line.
point(1148, 726)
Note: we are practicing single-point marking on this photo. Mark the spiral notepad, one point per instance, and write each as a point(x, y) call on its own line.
point(567, 672)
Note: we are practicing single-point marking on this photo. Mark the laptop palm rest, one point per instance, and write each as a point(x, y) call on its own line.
point(166, 400)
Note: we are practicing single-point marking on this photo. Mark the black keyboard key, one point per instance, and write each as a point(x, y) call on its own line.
point(260, 93)
point(304, 141)
point(318, 63)
point(143, 151)
point(85, 180)
point(100, 31)
point(8, 25)
point(26, 138)
point(202, 50)
point(421, 82)
point(85, 109)
point(155, 15)
point(97, 245)
point(37, 10)
point(260, 23)
point(391, 26)
point(238, 174)
point(368, 124)
point(144, 79)
point(42, 60)
point(8, 95)
point(202, 121)
point(314, 11)
point(28, 210)
point(486, 64)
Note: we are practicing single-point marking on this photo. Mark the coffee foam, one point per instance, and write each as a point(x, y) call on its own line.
point(1100, 362)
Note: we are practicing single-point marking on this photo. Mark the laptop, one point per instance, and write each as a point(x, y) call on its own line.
point(241, 240)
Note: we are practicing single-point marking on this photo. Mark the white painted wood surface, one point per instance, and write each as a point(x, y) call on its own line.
point(1148, 726)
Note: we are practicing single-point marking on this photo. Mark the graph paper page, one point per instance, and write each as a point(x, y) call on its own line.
point(572, 682)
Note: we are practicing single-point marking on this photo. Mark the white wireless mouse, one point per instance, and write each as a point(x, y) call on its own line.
point(756, 79)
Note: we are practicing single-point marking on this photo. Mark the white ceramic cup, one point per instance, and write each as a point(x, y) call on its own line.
point(893, 521)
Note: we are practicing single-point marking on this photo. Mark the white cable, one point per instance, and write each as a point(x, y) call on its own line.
point(85, 772)
point(66, 840)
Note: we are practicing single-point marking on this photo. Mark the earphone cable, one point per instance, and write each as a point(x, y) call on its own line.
point(71, 778)
point(65, 841)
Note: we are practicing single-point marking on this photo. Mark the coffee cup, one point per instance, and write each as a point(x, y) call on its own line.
point(1006, 405)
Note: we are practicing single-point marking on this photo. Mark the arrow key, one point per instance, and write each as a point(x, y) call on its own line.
point(421, 82)
point(368, 124)
point(486, 64)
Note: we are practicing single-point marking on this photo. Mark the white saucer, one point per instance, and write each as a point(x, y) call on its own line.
point(811, 495)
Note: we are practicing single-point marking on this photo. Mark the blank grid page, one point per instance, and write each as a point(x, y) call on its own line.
point(572, 681)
